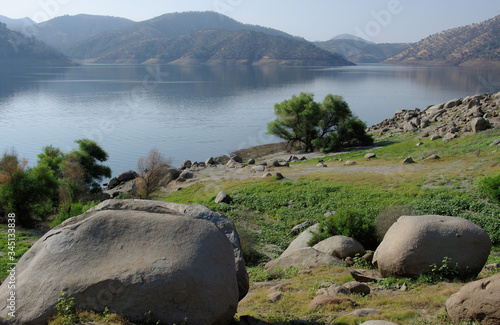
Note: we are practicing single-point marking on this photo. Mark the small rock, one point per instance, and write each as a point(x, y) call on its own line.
point(279, 176)
point(365, 312)
point(303, 158)
point(251, 161)
point(434, 137)
point(329, 214)
point(321, 165)
point(223, 197)
point(404, 287)
point(350, 163)
point(449, 136)
point(267, 175)
point(492, 266)
point(259, 168)
point(275, 296)
point(305, 272)
point(337, 289)
point(419, 144)
point(433, 156)
point(273, 163)
point(370, 156)
point(327, 300)
point(210, 161)
point(237, 159)
point(495, 143)
point(349, 261)
point(358, 287)
point(368, 257)
point(284, 164)
point(365, 275)
point(408, 160)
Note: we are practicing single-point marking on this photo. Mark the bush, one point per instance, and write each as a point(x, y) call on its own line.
point(349, 223)
point(75, 209)
point(489, 187)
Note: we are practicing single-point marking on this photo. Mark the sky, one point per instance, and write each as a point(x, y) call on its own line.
point(379, 21)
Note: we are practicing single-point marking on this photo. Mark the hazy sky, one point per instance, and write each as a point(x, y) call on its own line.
point(375, 20)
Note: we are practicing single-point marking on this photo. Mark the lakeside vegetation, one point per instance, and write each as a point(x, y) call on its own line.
point(368, 197)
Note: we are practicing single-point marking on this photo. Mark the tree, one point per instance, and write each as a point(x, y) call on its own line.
point(150, 172)
point(89, 153)
point(326, 126)
point(30, 193)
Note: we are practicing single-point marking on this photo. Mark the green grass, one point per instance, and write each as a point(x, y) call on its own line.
point(24, 241)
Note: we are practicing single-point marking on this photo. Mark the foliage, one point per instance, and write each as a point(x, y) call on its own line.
point(27, 192)
point(444, 271)
point(66, 309)
point(150, 172)
point(75, 209)
point(350, 223)
point(24, 242)
point(489, 187)
point(57, 181)
point(89, 154)
point(327, 126)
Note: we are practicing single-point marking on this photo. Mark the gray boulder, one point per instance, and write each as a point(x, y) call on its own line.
point(479, 124)
point(131, 256)
point(123, 177)
point(302, 239)
point(307, 257)
point(340, 246)
point(413, 243)
point(479, 301)
point(495, 143)
point(223, 197)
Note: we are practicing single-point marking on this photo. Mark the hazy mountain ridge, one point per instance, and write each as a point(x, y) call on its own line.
point(65, 31)
point(467, 45)
point(16, 24)
point(215, 47)
point(201, 38)
point(359, 50)
point(16, 49)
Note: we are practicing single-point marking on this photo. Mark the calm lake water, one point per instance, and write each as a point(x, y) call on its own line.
point(198, 112)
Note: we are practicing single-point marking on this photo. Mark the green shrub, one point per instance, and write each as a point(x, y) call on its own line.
point(489, 187)
point(350, 223)
point(66, 310)
point(75, 209)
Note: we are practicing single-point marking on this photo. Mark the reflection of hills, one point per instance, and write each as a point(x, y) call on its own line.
point(480, 79)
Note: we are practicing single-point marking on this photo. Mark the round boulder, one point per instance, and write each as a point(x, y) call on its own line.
point(479, 300)
point(413, 243)
point(340, 246)
point(132, 257)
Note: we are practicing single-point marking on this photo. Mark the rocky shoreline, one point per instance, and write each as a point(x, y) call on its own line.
point(445, 121)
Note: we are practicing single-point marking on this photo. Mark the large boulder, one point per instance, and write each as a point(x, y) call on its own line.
point(479, 301)
point(306, 257)
point(479, 124)
point(413, 243)
point(302, 240)
point(340, 246)
point(123, 177)
point(132, 256)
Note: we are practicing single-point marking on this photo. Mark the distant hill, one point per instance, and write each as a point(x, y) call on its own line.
point(16, 24)
point(64, 32)
point(463, 46)
point(18, 49)
point(165, 26)
point(358, 50)
point(216, 47)
point(200, 38)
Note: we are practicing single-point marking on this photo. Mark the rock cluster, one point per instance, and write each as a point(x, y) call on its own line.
point(447, 120)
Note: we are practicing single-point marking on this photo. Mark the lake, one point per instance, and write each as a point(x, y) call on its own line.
point(198, 112)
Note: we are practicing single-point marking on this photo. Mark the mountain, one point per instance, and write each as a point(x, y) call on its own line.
point(16, 24)
point(64, 32)
point(358, 50)
point(165, 26)
point(216, 47)
point(462, 46)
point(16, 49)
point(200, 38)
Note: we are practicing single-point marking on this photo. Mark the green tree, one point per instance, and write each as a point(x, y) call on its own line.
point(30, 193)
point(53, 157)
point(326, 126)
point(89, 154)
